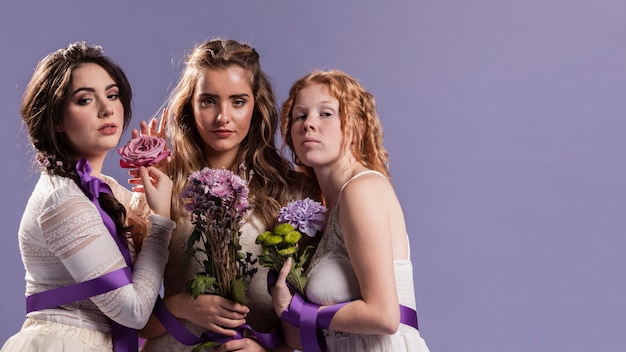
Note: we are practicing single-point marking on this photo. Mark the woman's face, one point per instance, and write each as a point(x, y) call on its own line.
point(316, 128)
point(93, 117)
point(223, 103)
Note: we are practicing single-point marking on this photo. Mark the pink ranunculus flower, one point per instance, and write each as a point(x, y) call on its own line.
point(144, 150)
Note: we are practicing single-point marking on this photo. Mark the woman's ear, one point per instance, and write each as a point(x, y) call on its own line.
point(59, 127)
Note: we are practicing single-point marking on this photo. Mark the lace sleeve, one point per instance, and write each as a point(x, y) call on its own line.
point(137, 212)
point(75, 233)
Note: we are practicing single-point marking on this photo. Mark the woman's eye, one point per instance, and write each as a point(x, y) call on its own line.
point(83, 101)
point(326, 113)
point(113, 96)
point(239, 102)
point(206, 102)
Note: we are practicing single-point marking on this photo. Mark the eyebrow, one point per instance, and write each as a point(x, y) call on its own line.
point(325, 104)
point(234, 96)
point(93, 90)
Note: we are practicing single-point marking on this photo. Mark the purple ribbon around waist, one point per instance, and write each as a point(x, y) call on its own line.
point(124, 338)
point(175, 328)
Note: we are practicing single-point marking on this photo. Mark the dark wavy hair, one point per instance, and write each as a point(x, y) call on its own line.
point(43, 107)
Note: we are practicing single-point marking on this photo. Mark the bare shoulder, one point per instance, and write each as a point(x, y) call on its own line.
point(371, 182)
point(370, 189)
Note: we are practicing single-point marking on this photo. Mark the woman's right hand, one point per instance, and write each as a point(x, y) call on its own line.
point(211, 312)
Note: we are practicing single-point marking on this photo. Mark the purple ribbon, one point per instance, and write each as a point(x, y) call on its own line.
point(79, 291)
point(92, 187)
point(310, 319)
point(175, 328)
point(125, 339)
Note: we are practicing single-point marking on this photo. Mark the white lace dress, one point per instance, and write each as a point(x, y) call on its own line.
point(63, 241)
point(331, 280)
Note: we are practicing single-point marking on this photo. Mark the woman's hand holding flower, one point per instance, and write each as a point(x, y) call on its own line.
point(158, 189)
point(212, 312)
point(281, 295)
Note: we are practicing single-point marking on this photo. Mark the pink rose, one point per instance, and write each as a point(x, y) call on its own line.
point(142, 151)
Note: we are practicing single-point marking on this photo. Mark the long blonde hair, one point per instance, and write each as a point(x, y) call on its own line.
point(274, 182)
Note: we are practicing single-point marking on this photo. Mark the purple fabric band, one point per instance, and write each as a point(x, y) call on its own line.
point(79, 291)
point(408, 316)
point(310, 319)
point(309, 337)
point(93, 186)
point(124, 338)
point(175, 328)
point(292, 313)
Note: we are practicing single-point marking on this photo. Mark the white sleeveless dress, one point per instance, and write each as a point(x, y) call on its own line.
point(331, 280)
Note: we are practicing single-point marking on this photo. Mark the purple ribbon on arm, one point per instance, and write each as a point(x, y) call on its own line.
point(310, 319)
point(124, 338)
point(175, 328)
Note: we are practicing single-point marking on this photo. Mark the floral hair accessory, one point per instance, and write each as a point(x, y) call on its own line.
point(298, 217)
point(49, 163)
point(144, 150)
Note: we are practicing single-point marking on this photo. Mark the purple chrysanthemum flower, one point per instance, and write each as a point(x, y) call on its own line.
point(306, 215)
point(210, 186)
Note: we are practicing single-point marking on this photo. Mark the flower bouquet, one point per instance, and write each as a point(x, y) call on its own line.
point(218, 200)
point(297, 218)
point(144, 150)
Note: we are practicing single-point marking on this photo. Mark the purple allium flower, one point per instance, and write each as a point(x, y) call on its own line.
point(306, 215)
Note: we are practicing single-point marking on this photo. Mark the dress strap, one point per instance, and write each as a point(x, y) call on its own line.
point(360, 174)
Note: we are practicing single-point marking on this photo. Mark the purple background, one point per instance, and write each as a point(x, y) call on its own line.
point(504, 121)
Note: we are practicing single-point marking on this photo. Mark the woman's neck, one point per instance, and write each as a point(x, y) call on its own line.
point(96, 166)
point(220, 160)
point(332, 179)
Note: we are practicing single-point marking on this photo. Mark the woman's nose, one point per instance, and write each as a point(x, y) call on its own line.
point(309, 124)
point(223, 115)
point(106, 109)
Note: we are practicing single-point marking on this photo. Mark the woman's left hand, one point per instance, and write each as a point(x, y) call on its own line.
point(157, 187)
point(281, 295)
point(150, 128)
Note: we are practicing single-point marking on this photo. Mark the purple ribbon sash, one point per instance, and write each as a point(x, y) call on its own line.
point(79, 291)
point(124, 338)
point(310, 319)
point(93, 186)
point(175, 328)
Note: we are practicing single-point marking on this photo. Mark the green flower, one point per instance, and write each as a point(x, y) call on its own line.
point(272, 240)
point(287, 251)
point(262, 237)
point(283, 229)
point(293, 237)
